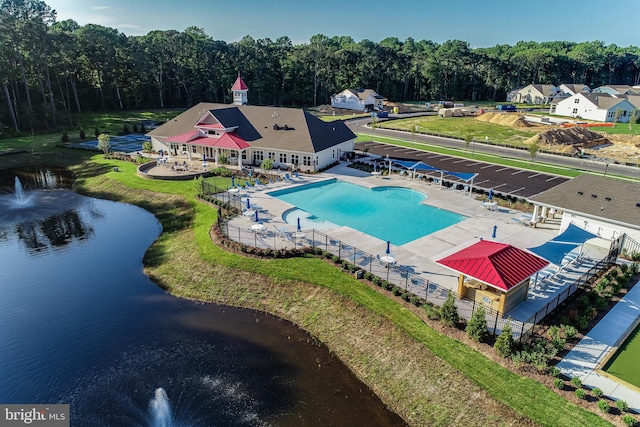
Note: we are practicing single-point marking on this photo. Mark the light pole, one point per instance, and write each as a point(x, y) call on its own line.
point(473, 149)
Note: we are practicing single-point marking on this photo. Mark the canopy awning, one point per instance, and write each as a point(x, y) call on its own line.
point(574, 234)
point(554, 252)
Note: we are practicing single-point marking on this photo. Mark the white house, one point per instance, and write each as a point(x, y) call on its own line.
point(359, 100)
point(247, 134)
point(618, 90)
point(571, 89)
point(600, 107)
point(534, 94)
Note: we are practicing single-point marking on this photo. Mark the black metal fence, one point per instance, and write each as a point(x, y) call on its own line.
point(269, 237)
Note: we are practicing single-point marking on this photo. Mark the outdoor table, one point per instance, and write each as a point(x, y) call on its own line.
point(491, 205)
point(388, 259)
point(234, 190)
point(375, 173)
point(257, 227)
point(249, 213)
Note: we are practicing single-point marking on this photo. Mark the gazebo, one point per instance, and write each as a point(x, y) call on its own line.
point(494, 274)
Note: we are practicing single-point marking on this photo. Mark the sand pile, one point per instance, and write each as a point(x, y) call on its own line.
point(506, 119)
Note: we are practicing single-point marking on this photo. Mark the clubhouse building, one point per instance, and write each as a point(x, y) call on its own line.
point(241, 134)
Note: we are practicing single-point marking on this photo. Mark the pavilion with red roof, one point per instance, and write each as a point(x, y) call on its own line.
point(495, 274)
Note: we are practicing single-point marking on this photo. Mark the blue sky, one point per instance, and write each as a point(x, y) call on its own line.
point(482, 23)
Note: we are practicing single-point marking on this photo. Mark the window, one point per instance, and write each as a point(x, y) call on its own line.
point(194, 149)
point(258, 156)
point(294, 159)
point(576, 101)
point(306, 160)
point(283, 157)
point(575, 111)
point(271, 155)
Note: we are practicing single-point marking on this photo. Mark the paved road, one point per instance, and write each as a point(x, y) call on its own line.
point(501, 179)
point(359, 126)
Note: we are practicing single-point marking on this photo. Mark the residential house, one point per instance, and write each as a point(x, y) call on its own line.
point(618, 90)
point(535, 94)
point(359, 100)
point(246, 135)
point(596, 106)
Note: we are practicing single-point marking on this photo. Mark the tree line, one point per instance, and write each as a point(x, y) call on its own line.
point(50, 70)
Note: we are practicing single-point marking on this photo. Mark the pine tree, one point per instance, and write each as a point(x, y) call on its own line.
point(477, 326)
point(449, 311)
point(505, 344)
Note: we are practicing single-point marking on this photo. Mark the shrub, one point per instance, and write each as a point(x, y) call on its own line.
point(414, 300)
point(581, 394)
point(583, 302)
point(405, 296)
point(449, 312)
point(505, 343)
point(622, 405)
point(597, 392)
point(125, 130)
point(96, 132)
point(396, 290)
point(576, 382)
point(569, 331)
point(64, 137)
point(604, 405)
point(558, 383)
point(554, 371)
point(629, 420)
point(335, 259)
point(582, 322)
point(477, 326)
point(83, 135)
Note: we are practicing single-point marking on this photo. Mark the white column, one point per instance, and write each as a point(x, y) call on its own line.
point(535, 213)
point(544, 213)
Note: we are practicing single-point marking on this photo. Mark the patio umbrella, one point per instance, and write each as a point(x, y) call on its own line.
point(161, 153)
point(495, 228)
point(233, 181)
point(375, 166)
point(388, 251)
point(299, 228)
point(248, 204)
point(490, 194)
point(257, 216)
point(204, 158)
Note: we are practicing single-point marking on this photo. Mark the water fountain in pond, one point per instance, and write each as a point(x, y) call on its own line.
point(21, 200)
point(160, 410)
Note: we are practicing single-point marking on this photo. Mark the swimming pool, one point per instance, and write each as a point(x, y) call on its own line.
point(389, 213)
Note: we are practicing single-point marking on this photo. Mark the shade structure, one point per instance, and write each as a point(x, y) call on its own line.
point(499, 265)
point(557, 248)
point(388, 251)
point(574, 234)
point(554, 252)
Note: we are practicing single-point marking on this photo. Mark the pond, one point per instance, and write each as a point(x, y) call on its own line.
point(81, 324)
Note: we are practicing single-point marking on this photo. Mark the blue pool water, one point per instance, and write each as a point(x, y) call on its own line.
point(389, 213)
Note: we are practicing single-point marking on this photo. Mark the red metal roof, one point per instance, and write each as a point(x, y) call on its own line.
point(210, 125)
point(497, 264)
point(183, 137)
point(239, 84)
point(227, 140)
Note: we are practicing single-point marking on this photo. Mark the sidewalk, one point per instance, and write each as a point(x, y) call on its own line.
point(585, 359)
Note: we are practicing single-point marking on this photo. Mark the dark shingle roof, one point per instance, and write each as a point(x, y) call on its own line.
point(289, 129)
point(597, 197)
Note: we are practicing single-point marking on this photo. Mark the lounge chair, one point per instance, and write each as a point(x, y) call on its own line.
point(297, 176)
point(259, 185)
point(279, 181)
point(287, 178)
point(249, 186)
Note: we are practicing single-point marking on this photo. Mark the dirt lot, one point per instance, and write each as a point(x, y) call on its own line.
point(622, 148)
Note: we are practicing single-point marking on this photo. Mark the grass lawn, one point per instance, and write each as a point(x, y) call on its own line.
point(624, 364)
point(462, 127)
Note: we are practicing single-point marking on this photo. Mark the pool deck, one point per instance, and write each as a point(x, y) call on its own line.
point(421, 254)
point(585, 360)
